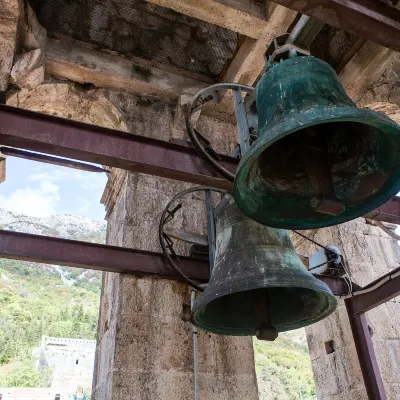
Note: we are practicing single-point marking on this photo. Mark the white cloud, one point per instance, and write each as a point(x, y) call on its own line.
point(37, 202)
point(55, 175)
point(91, 181)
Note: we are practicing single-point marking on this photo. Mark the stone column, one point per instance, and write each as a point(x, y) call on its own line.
point(371, 253)
point(9, 20)
point(145, 348)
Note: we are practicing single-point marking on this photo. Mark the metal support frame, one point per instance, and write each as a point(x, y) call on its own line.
point(78, 254)
point(84, 142)
point(377, 292)
point(66, 138)
point(74, 253)
point(27, 155)
point(366, 354)
point(210, 229)
point(242, 123)
point(374, 20)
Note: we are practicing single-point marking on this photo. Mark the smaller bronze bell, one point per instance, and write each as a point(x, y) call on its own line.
point(258, 285)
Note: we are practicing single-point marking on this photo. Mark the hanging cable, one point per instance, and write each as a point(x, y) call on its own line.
point(167, 243)
point(313, 241)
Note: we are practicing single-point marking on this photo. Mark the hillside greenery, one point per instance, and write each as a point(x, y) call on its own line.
point(283, 370)
point(36, 300)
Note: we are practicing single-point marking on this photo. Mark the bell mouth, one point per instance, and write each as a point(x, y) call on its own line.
point(289, 308)
point(346, 154)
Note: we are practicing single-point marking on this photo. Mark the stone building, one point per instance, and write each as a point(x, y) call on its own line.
point(72, 361)
point(132, 66)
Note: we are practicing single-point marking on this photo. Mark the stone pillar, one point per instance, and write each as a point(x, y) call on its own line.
point(371, 253)
point(9, 22)
point(145, 348)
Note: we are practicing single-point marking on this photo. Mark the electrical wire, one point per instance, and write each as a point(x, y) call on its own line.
point(166, 242)
point(316, 243)
point(376, 285)
point(386, 230)
point(203, 148)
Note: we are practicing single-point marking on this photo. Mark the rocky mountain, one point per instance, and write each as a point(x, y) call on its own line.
point(64, 226)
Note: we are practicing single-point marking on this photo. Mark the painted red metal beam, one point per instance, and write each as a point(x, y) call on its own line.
point(84, 142)
point(385, 288)
point(374, 20)
point(66, 138)
point(73, 253)
point(366, 354)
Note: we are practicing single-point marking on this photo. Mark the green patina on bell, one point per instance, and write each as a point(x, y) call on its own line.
point(318, 160)
point(258, 285)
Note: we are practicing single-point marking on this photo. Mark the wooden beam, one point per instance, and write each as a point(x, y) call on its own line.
point(365, 68)
point(246, 17)
point(249, 60)
point(74, 61)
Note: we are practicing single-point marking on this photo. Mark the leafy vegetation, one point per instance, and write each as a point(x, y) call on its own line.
point(283, 370)
point(38, 299)
point(34, 302)
point(23, 374)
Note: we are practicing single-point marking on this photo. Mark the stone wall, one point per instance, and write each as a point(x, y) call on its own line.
point(9, 24)
point(370, 253)
point(145, 348)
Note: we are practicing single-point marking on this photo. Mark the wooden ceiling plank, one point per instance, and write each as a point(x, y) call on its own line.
point(246, 17)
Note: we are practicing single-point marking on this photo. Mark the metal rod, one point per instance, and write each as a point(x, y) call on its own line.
point(297, 29)
point(366, 354)
point(242, 123)
point(84, 142)
point(210, 229)
point(195, 352)
point(73, 253)
point(373, 20)
point(44, 158)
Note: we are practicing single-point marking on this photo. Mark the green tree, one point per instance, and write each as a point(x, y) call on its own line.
point(25, 375)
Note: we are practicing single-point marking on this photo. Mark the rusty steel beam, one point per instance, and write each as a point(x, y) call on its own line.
point(66, 138)
point(383, 289)
point(366, 354)
point(73, 253)
point(388, 212)
point(374, 20)
point(84, 142)
point(337, 285)
point(27, 155)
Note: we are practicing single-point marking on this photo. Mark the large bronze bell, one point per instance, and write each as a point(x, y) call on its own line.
point(258, 285)
point(318, 160)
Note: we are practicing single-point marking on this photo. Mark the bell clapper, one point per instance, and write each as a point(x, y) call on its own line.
point(315, 159)
point(265, 330)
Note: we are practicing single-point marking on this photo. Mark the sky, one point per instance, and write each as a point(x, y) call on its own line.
point(40, 190)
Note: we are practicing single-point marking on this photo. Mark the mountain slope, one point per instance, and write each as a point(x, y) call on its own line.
point(39, 299)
